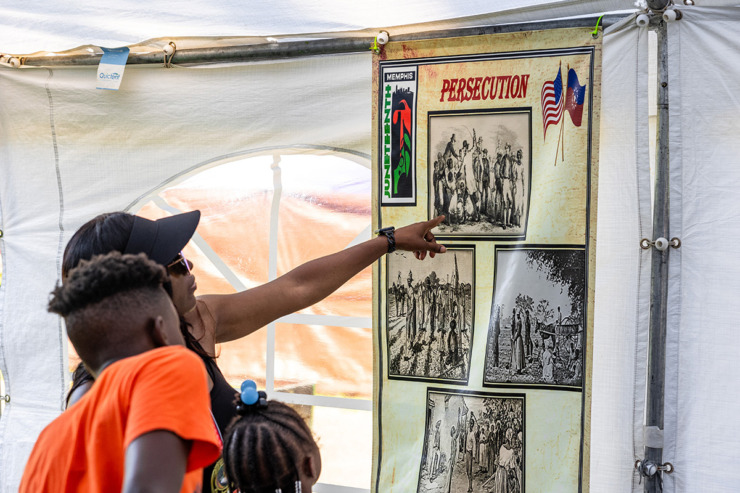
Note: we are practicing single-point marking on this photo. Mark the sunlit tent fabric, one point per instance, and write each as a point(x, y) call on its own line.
point(69, 152)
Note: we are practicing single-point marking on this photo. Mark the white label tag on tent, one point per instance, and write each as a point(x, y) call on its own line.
point(112, 65)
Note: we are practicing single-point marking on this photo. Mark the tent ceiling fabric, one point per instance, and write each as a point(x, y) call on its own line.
point(28, 27)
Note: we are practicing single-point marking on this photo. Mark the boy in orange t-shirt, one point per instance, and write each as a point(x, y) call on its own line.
point(146, 423)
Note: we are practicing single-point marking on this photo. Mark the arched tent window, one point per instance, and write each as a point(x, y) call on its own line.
point(263, 215)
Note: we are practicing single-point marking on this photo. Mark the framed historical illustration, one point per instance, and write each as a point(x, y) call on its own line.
point(536, 329)
point(430, 309)
point(480, 172)
point(473, 441)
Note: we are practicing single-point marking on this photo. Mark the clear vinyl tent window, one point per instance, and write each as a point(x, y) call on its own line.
point(261, 217)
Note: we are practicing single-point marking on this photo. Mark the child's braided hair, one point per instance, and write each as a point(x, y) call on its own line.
point(264, 447)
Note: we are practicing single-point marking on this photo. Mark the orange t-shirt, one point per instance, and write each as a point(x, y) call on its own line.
point(84, 449)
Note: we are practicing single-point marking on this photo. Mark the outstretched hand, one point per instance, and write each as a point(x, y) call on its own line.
point(418, 238)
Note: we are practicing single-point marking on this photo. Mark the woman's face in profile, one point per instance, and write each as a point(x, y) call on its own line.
point(183, 285)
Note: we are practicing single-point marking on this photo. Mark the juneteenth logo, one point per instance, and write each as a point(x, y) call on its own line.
point(402, 108)
point(387, 142)
point(398, 111)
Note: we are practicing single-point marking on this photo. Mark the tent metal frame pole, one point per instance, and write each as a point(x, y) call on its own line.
point(313, 47)
point(655, 397)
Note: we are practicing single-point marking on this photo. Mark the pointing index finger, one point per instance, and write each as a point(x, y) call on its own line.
point(433, 223)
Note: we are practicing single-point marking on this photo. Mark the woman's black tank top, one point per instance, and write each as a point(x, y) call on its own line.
point(222, 407)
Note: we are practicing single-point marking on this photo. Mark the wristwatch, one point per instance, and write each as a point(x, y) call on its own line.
point(389, 233)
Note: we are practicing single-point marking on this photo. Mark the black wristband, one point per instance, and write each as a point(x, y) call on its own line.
point(389, 233)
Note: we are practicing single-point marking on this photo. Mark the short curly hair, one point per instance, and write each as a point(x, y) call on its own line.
point(104, 299)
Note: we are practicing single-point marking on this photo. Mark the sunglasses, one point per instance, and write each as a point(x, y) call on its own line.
point(180, 266)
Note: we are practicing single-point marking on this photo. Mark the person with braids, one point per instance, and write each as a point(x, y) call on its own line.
point(213, 319)
point(128, 432)
point(268, 448)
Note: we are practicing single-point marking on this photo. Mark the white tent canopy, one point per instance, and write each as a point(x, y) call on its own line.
point(69, 152)
point(50, 26)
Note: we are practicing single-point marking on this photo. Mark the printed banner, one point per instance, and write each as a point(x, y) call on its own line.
point(484, 352)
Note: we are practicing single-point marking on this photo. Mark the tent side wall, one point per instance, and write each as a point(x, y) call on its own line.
point(622, 269)
point(70, 152)
point(702, 432)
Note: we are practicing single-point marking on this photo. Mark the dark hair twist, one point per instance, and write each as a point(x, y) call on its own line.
point(264, 446)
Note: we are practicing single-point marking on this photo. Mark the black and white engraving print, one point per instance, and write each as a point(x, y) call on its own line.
point(480, 172)
point(535, 332)
point(430, 310)
point(473, 442)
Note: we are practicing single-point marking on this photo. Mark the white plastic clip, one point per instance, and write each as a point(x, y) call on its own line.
point(649, 469)
point(671, 15)
point(660, 244)
point(380, 40)
point(169, 51)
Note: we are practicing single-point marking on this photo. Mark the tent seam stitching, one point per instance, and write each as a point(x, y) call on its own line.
point(60, 190)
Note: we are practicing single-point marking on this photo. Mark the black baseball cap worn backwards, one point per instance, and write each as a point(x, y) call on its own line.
point(164, 238)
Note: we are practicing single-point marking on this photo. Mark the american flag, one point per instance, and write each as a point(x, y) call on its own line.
point(552, 101)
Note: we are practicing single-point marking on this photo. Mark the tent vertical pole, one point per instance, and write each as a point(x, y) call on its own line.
point(659, 270)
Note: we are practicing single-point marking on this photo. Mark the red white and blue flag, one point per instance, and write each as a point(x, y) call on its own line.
point(552, 102)
point(574, 97)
